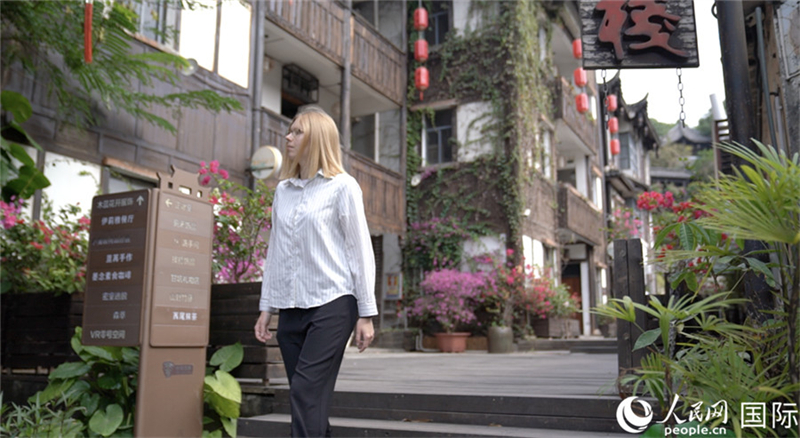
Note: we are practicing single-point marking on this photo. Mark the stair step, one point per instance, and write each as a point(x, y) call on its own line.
point(277, 425)
point(595, 414)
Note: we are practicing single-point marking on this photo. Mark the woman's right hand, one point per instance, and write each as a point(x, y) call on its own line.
point(262, 327)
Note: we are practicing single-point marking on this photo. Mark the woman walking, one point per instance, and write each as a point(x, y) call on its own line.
point(319, 271)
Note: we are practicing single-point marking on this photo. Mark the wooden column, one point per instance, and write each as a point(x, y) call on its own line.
point(629, 281)
point(344, 123)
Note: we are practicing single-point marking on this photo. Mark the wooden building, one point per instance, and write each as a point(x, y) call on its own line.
point(500, 129)
point(349, 58)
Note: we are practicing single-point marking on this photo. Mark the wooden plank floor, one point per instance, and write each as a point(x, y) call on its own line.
point(532, 374)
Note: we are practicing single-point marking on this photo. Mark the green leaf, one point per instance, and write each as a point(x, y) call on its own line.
point(229, 424)
point(225, 385)
point(228, 357)
point(20, 154)
point(109, 381)
point(106, 422)
point(654, 431)
point(688, 241)
point(70, 369)
point(52, 391)
point(762, 268)
point(647, 338)
point(111, 354)
point(90, 402)
point(215, 434)
point(17, 104)
point(223, 406)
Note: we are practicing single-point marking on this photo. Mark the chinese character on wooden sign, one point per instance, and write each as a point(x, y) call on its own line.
point(638, 34)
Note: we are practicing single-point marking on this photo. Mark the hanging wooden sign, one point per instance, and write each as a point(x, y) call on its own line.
point(638, 34)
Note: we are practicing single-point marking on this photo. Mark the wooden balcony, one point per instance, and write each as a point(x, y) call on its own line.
point(577, 218)
point(384, 194)
point(319, 24)
point(565, 110)
point(383, 189)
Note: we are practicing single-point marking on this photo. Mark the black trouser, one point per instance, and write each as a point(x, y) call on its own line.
point(312, 342)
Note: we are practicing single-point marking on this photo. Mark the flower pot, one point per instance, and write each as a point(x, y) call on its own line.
point(501, 340)
point(609, 330)
point(452, 342)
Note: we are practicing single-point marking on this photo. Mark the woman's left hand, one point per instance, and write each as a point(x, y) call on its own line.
point(365, 333)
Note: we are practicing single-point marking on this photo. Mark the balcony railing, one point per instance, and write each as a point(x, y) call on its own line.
point(319, 23)
point(566, 110)
point(577, 215)
point(384, 199)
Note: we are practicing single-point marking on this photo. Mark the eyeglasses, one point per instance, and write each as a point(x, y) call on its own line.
point(294, 132)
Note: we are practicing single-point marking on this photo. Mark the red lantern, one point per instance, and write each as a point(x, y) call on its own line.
point(420, 19)
point(577, 49)
point(582, 102)
point(613, 125)
point(614, 146)
point(421, 80)
point(421, 50)
point(87, 31)
point(580, 77)
point(611, 102)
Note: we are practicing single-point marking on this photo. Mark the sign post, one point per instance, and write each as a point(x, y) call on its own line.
point(149, 284)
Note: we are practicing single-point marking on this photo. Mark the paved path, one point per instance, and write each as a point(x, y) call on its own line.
point(544, 373)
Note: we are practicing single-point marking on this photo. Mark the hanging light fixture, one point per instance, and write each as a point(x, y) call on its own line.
point(582, 103)
point(88, 9)
point(611, 102)
point(614, 143)
point(580, 77)
point(421, 79)
point(613, 125)
point(420, 18)
point(421, 50)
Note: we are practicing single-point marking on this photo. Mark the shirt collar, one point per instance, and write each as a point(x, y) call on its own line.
point(298, 182)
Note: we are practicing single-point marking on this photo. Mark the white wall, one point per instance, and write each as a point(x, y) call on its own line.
point(470, 119)
point(465, 20)
point(492, 245)
point(271, 86)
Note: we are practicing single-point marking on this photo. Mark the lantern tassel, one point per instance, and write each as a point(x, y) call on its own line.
point(420, 95)
point(87, 31)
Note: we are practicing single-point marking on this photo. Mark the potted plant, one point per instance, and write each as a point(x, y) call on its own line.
point(607, 325)
point(503, 293)
point(556, 319)
point(449, 298)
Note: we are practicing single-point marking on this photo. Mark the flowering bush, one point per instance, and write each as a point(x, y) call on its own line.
point(624, 224)
point(450, 297)
point(239, 249)
point(47, 255)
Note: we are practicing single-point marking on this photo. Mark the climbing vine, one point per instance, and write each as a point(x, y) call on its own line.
point(499, 63)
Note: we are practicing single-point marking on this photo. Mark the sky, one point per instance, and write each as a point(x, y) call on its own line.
point(698, 83)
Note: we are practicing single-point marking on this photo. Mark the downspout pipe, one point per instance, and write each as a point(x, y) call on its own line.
point(733, 45)
point(258, 78)
point(762, 63)
point(344, 123)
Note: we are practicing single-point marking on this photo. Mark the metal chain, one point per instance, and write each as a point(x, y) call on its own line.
point(605, 97)
point(681, 100)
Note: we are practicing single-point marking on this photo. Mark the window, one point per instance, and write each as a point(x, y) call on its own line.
point(628, 153)
point(438, 22)
point(298, 88)
point(72, 182)
point(438, 148)
point(597, 191)
point(118, 183)
point(543, 163)
point(227, 54)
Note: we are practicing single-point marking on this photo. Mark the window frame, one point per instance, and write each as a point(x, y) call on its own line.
point(450, 141)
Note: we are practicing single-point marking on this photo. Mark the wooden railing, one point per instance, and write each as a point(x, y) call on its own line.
point(577, 215)
point(384, 198)
point(565, 109)
point(319, 23)
point(377, 62)
point(273, 129)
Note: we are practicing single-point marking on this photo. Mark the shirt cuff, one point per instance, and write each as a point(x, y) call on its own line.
point(366, 310)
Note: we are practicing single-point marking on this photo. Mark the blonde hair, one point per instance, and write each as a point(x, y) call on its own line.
point(320, 148)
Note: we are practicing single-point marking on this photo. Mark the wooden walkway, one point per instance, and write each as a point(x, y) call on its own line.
point(531, 374)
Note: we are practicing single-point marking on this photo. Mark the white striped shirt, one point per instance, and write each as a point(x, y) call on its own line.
point(319, 247)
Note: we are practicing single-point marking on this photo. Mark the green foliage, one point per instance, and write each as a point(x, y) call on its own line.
point(47, 255)
point(40, 420)
point(705, 125)
point(222, 392)
point(17, 182)
point(97, 396)
point(672, 156)
point(46, 40)
point(661, 128)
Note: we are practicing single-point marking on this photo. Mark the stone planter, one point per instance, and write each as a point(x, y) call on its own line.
point(452, 342)
point(609, 330)
point(501, 339)
point(557, 328)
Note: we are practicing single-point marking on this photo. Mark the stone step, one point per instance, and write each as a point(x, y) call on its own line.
point(277, 425)
point(591, 414)
point(586, 345)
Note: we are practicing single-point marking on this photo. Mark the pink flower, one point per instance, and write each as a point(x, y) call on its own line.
point(202, 171)
point(202, 164)
point(206, 179)
point(213, 166)
point(509, 252)
point(223, 173)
